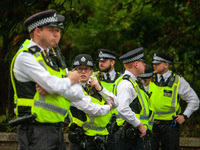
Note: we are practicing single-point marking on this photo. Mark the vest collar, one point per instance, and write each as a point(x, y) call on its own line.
point(166, 75)
point(112, 74)
point(131, 75)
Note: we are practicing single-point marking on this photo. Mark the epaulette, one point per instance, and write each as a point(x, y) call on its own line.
point(126, 77)
point(100, 76)
point(153, 78)
point(34, 49)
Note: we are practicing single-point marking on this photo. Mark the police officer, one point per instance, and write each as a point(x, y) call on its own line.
point(133, 104)
point(32, 64)
point(166, 88)
point(146, 77)
point(88, 130)
point(107, 76)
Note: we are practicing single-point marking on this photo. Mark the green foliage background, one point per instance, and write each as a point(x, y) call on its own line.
point(171, 26)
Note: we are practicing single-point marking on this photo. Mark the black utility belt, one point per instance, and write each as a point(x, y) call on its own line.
point(59, 124)
point(100, 138)
point(169, 122)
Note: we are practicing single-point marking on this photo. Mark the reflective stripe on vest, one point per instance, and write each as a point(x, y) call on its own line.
point(139, 94)
point(94, 125)
point(144, 116)
point(168, 104)
point(50, 108)
point(87, 126)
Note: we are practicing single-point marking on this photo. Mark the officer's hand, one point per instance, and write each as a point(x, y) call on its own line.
point(108, 103)
point(180, 119)
point(94, 82)
point(142, 129)
point(41, 90)
point(73, 76)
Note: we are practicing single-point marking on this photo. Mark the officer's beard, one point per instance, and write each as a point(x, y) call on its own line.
point(106, 69)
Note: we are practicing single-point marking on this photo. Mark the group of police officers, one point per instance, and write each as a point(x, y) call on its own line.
point(103, 110)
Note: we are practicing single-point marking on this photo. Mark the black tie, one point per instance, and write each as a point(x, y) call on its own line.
point(162, 79)
point(108, 76)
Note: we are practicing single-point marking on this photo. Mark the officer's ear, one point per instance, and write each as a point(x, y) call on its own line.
point(37, 31)
point(92, 71)
point(112, 62)
point(166, 65)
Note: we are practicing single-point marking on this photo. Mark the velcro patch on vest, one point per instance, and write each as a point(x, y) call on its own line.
point(168, 93)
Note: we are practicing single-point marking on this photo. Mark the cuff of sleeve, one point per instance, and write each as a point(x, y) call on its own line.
point(187, 113)
point(136, 122)
point(102, 91)
point(107, 109)
point(69, 82)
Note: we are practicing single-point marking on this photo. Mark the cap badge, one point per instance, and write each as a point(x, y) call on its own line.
point(83, 59)
point(100, 54)
point(55, 15)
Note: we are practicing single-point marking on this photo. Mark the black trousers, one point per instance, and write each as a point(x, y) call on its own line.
point(143, 143)
point(89, 143)
point(167, 135)
point(40, 137)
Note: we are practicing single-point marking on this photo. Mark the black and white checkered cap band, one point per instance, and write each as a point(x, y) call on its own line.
point(146, 75)
point(106, 55)
point(157, 58)
point(77, 63)
point(42, 22)
point(138, 57)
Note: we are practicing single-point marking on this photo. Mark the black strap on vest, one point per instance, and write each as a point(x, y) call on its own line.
point(126, 77)
point(91, 91)
point(169, 82)
point(61, 59)
point(34, 49)
point(78, 113)
point(135, 105)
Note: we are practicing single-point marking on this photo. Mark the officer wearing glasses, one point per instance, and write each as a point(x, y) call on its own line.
point(88, 129)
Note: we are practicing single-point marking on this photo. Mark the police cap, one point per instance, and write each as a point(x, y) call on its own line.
point(160, 57)
point(136, 54)
point(106, 54)
point(48, 18)
point(83, 59)
point(148, 72)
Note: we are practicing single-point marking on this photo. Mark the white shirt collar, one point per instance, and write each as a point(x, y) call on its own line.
point(166, 75)
point(83, 83)
point(112, 74)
